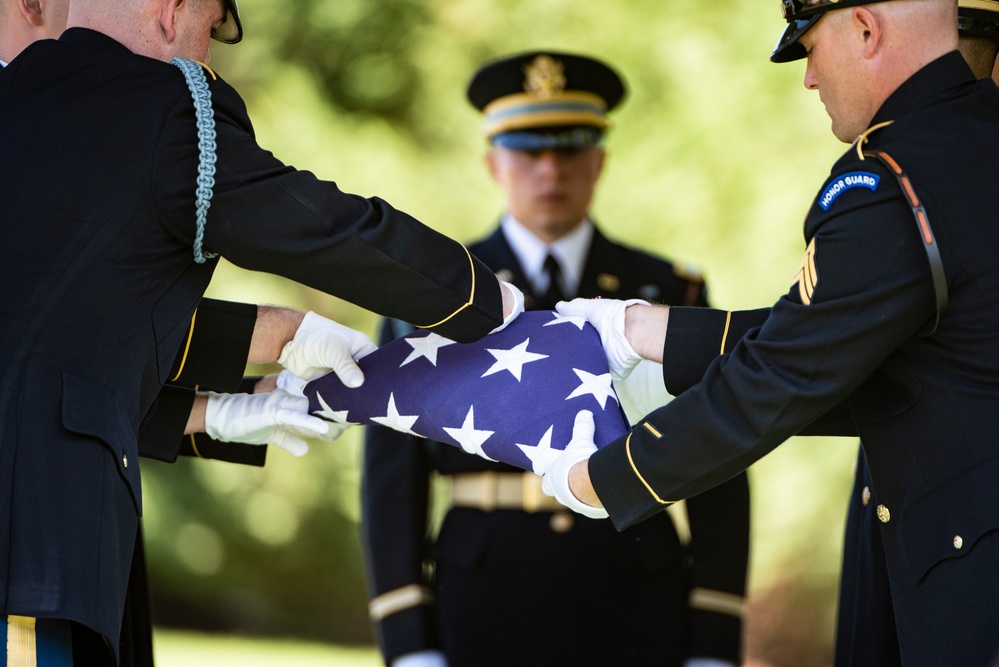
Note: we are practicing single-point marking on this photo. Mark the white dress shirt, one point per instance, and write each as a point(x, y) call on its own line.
point(570, 251)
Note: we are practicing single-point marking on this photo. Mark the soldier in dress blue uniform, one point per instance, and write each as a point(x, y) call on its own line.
point(891, 320)
point(512, 577)
point(865, 624)
point(102, 281)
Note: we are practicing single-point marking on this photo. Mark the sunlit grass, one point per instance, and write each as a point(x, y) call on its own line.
point(188, 649)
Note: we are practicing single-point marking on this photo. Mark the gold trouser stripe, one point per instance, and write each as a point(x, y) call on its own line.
point(719, 602)
point(728, 323)
point(395, 601)
point(627, 449)
point(471, 297)
point(21, 649)
point(187, 347)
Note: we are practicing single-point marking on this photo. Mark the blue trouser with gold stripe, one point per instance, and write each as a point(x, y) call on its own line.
point(36, 642)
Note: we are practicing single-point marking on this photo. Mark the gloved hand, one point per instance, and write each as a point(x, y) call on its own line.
point(421, 659)
point(276, 418)
point(321, 345)
point(295, 385)
point(518, 305)
point(607, 317)
point(555, 481)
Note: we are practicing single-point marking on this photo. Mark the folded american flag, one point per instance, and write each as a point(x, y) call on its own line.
point(511, 396)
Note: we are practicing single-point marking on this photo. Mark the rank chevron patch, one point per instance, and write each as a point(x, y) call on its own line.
point(807, 276)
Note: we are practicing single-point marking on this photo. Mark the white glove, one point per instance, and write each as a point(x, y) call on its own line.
point(607, 317)
point(555, 481)
point(295, 385)
point(276, 418)
point(518, 306)
point(321, 345)
point(421, 659)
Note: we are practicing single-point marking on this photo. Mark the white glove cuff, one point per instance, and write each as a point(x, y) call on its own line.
point(518, 305)
point(289, 353)
point(555, 483)
point(216, 403)
point(622, 357)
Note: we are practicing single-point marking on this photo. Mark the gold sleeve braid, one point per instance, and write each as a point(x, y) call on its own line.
point(187, 347)
point(728, 323)
point(471, 296)
point(627, 449)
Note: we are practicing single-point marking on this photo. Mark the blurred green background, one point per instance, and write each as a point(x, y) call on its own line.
point(714, 158)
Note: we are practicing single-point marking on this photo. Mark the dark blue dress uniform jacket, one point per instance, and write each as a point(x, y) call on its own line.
point(926, 407)
point(597, 597)
point(100, 284)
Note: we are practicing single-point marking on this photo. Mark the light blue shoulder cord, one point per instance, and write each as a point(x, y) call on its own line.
point(196, 81)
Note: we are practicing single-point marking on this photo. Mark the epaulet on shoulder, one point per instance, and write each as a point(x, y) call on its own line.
point(689, 272)
point(861, 140)
point(208, 69)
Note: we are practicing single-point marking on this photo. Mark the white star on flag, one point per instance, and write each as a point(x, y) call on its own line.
point(339, 416)
point(394, 420)
point(541, 455)
point(513, 360)
point(599, 386)
point(468, 437)
point(567, 319)
point(426, 347)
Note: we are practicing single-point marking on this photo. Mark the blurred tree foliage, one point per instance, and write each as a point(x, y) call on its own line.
point(714, 158)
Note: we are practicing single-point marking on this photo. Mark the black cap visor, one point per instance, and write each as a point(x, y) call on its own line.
point(788, 47)
point(231, 30)
point(977, 23)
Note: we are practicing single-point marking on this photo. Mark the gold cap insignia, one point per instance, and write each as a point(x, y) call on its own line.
point(544, 77)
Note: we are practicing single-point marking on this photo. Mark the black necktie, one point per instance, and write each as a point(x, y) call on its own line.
point(554, 293)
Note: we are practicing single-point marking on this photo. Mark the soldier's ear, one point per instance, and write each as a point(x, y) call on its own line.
point(868, 25)
point(167, 12)
point(32, 11)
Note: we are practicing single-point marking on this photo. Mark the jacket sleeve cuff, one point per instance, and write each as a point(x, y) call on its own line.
point(213, 355)
point(481, 313)
point(625, 494)
point(161, 432)
point(697, 336)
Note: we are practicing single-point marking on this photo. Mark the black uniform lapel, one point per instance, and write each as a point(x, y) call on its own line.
point(602, 269)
